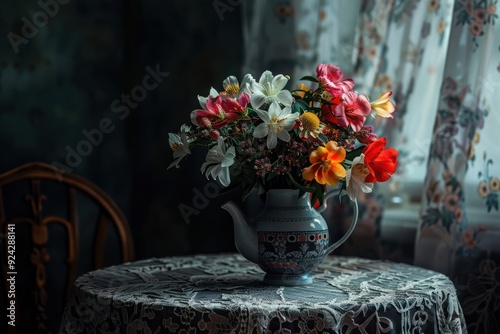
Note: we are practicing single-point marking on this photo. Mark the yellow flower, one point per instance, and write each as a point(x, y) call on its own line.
point(326, 165)
point(383, 105)
point(302, 90)
point(231, 86)
point(310, 125)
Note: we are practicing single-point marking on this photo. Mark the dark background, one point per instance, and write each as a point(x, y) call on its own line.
point(65, 78)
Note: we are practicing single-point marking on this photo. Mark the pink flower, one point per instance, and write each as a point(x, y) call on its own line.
point(351, 110)
point(366, 135)
point(212, 114)
point(232, 106)
point(452, 202)
point(475, 28)
point(214, 134)
point(480, 15)
point(221, 111)
point(331, 79)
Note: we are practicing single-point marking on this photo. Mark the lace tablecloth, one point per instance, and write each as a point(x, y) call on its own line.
point(224, 294)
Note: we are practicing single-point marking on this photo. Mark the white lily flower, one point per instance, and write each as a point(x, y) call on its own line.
point(218, 161)
point(233, 87)
point(277, 123)
point(355, 178)
point(270, 89)
point(180, 145)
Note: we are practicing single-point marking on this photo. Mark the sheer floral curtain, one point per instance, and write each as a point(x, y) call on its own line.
point(441, 59)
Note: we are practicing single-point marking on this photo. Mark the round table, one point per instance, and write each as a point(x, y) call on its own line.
point(224, 293)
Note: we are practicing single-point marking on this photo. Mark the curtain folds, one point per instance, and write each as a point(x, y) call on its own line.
point(441, 59)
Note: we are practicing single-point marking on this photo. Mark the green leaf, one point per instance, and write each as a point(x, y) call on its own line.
point(251, 111)
point(323, 138)
point(354, 153)
point(247, 188)
point(309, 78)
point(342, 192)
point(319, 194)
point(299, 186)
point(262, 189)
point(299, 106)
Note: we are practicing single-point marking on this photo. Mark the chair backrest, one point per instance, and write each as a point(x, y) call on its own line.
point(45, 221)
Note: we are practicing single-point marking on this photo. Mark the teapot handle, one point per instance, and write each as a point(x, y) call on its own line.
point(323, 206)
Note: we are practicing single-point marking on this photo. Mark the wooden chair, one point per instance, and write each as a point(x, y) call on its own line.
point(48, 240)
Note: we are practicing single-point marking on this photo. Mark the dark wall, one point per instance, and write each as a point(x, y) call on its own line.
point(69, 78)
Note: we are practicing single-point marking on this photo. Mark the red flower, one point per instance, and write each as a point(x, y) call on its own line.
point(381, 162)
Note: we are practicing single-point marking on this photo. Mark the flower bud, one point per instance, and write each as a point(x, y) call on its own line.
point(214, 134)
point(204, 122)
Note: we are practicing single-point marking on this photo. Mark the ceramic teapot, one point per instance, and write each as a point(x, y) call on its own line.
point(288, 239)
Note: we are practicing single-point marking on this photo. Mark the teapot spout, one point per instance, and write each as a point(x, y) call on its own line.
point(245, 235)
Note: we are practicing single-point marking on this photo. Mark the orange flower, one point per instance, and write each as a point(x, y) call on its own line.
point(302, 90)
point(326, 165)
point(381, 162)
point(383, 105)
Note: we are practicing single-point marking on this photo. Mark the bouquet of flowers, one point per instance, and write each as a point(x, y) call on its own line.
point(259, 134)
